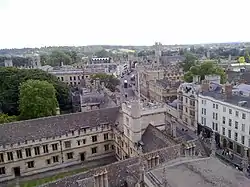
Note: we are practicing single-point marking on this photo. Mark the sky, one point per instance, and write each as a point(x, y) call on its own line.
point(36, 23)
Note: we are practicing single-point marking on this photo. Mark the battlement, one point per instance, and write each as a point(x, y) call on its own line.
point(145, 108)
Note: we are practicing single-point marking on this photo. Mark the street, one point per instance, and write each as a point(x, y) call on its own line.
point(127, 91)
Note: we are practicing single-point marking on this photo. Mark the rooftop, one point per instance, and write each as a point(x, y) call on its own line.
point(166, 83)
point(205, 172)
point(154, 139)
point(233, 99)
point(48, 127)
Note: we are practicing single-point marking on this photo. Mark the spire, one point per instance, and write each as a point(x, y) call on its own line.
point(213, 144)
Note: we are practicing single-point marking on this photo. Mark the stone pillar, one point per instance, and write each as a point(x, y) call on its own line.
point(156, 161)
point(152, 162)
point(213, 144)
point(245, 161)
point(97, 179)
point(101, 180)
point(106, 183)
point(149, 164)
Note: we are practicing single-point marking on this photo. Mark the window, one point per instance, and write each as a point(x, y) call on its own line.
point(2, 170)
point(106, 147)
point(62, 78)
point(28, 152)
point(213, 105)
point(216, 116)
point(54, 147)
point(216, 106)
point(78, 142)
point(223, 131)
point(94, 150)
point(237, 113)
point(94, 138)
point(70, 155)
point(106, 136)
point(236, 124)
point(236, 136)
point(70, 78)
point(55, 159)
point(30, 164)
point(186, 100)
point(213, 115)
point(229, 122)
point(223, 120)
point(203, 111)
point(216, 126)
point(224, 109)
point(19, 154)
point(84, 141)
point(229, 134)
point(1, 157)
point(67, 144)
point(74, 78)
point(230, 111)
point(243, 140)
point(37, 150)
point(243, 127)
point(10, 155)
point(45, 149)
point(213, 126)
point(243, 116)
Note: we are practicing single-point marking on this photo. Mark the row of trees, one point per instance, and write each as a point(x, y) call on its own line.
point(56, 57)
point(12, 78)
point(110, 81)
point(192, 67)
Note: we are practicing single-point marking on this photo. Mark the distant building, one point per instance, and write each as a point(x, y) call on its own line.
point(100, 60)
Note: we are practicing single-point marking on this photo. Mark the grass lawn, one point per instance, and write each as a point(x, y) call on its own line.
point(33, 183)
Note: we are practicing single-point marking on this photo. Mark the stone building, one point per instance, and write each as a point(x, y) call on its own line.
point(163, 167)
point(39, 145)
point(69, 76)
point(153, 81)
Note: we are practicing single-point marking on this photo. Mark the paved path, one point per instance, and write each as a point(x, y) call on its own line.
point(89, 165)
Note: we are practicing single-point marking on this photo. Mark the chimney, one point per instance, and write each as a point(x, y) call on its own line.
point(61, 64)
point(228, 89)
point(205, 86)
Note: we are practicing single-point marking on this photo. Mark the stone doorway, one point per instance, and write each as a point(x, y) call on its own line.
point(17, 171)
point(82, 156)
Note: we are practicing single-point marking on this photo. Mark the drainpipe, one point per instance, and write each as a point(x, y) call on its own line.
point(61, 151)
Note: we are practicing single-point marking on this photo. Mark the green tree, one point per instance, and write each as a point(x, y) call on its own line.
point(4, 118)
point(190, 60)
point(10, 80)
point(37, 99)
point(110, 81)
point(205, 68)
point(102, 54)
point(56, 57)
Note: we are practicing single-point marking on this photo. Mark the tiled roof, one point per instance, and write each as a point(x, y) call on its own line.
point(47, 127)
point(153, 139)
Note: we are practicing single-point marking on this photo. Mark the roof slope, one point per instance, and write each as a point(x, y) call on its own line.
point(154, 139)
point(11, 133)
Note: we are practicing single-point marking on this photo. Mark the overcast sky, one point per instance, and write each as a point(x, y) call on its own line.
point(35, 23)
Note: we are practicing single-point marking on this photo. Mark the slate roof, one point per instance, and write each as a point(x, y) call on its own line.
point(11, 133)
point(118, 172)
point(154, 139)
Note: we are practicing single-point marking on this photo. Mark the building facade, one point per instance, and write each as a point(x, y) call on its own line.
point(71, 77)
point(227, 113)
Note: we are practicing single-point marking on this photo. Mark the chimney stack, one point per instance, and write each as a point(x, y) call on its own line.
point(205, 86)
point(228, 90)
